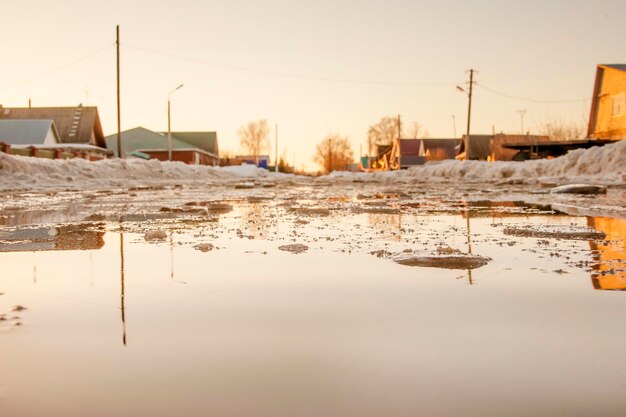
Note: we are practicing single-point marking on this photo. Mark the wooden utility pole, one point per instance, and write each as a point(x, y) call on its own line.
point(330, 156)
point(469, 115)
point(276, 152)
point(399, 127)
point(454, 126)
point(119, 123)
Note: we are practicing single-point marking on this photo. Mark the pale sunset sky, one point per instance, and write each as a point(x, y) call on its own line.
point(313, 68)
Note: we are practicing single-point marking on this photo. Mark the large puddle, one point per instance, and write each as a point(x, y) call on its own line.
point(313, 301)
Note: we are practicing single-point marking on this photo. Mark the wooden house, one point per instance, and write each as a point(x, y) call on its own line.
point(607, 119)
point(75, 125)
point(410, 152)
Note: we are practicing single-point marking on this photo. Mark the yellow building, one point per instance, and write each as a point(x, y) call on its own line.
point(608, 108)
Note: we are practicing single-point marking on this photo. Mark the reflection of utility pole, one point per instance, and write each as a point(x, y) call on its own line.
point(119, 129)
point(522, 113)
point(469, 244)
point(122, 305)
point(172, 259)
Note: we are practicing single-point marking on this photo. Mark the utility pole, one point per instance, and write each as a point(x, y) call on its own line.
point(119, 118)
point(522, 113)
point(469, 115)
point(330, 155)
point(454, 126)
point(276, 156)
point(399, 127)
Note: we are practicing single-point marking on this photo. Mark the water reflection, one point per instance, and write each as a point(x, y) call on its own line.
point(609, 268)
point(52, 238)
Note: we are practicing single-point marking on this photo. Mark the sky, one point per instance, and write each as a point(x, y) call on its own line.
point(312, 68)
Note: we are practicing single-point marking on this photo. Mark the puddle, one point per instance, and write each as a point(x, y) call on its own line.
point(291, 301)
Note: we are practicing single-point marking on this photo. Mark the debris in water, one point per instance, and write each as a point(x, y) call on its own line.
point(155, 235)
point(19, 308)
point(294, 248)
point(204, 247)
point(555, 232)
point(446, 262)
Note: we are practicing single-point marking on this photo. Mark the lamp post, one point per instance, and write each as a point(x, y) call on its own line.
point(169, 125)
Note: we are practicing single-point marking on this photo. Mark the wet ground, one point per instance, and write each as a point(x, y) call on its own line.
point(311, 299)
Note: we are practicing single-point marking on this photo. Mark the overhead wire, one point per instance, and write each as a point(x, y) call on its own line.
point(69, 64)
point(285, 74)
point(532, 100)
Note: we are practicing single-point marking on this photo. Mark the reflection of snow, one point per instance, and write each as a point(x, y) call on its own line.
point(601, 165)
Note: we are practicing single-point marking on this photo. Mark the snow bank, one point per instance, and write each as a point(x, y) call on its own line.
point(599, 165)
point(604, 165)
point(19, 173)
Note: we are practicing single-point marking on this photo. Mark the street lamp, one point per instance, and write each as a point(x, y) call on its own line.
point(169, 126)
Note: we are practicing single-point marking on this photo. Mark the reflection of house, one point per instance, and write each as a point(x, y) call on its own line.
point(144, 143)
point(610, 269)
point(70, 237)
point(410, 152)
point(608, 108)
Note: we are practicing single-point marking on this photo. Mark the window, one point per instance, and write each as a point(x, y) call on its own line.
point(619, 104)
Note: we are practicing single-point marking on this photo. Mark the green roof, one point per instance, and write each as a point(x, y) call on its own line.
point(203, 140)
point(140, 138)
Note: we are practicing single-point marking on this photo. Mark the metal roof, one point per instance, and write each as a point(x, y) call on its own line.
point(26, 132)
point(74, 124)
point(141, 138)
point(203, 140)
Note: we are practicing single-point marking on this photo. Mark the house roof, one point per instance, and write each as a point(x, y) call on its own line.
point(480, 146)
point(74, 124)
point(141, 138)
point(26, 132)
point(621, 67)
point(412, 146)
point(203, 140)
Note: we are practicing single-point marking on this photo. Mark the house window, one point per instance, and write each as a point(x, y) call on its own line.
point(619, 104)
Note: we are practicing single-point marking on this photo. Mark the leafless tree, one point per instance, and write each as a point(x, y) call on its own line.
point(417, 131)
point(334, 153)
point(382, 133)
point(254, 137)
point(558, 129)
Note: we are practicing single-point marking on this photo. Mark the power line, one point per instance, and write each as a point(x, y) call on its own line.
point(77, 61)
point(531, 99)
point(285, 74)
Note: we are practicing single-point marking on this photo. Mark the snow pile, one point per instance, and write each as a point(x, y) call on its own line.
point(599, 165)
point(604, 165)
point(19, 173)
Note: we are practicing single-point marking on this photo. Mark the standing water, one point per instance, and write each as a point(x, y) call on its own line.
point(307, 301)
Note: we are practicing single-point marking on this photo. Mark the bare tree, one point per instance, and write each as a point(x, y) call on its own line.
point(417, 131)
point(558, 129)
point(382, 133)
point(334, 153)
point(254, 137)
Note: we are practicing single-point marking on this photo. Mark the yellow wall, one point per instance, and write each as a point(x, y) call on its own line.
point(608, 125)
